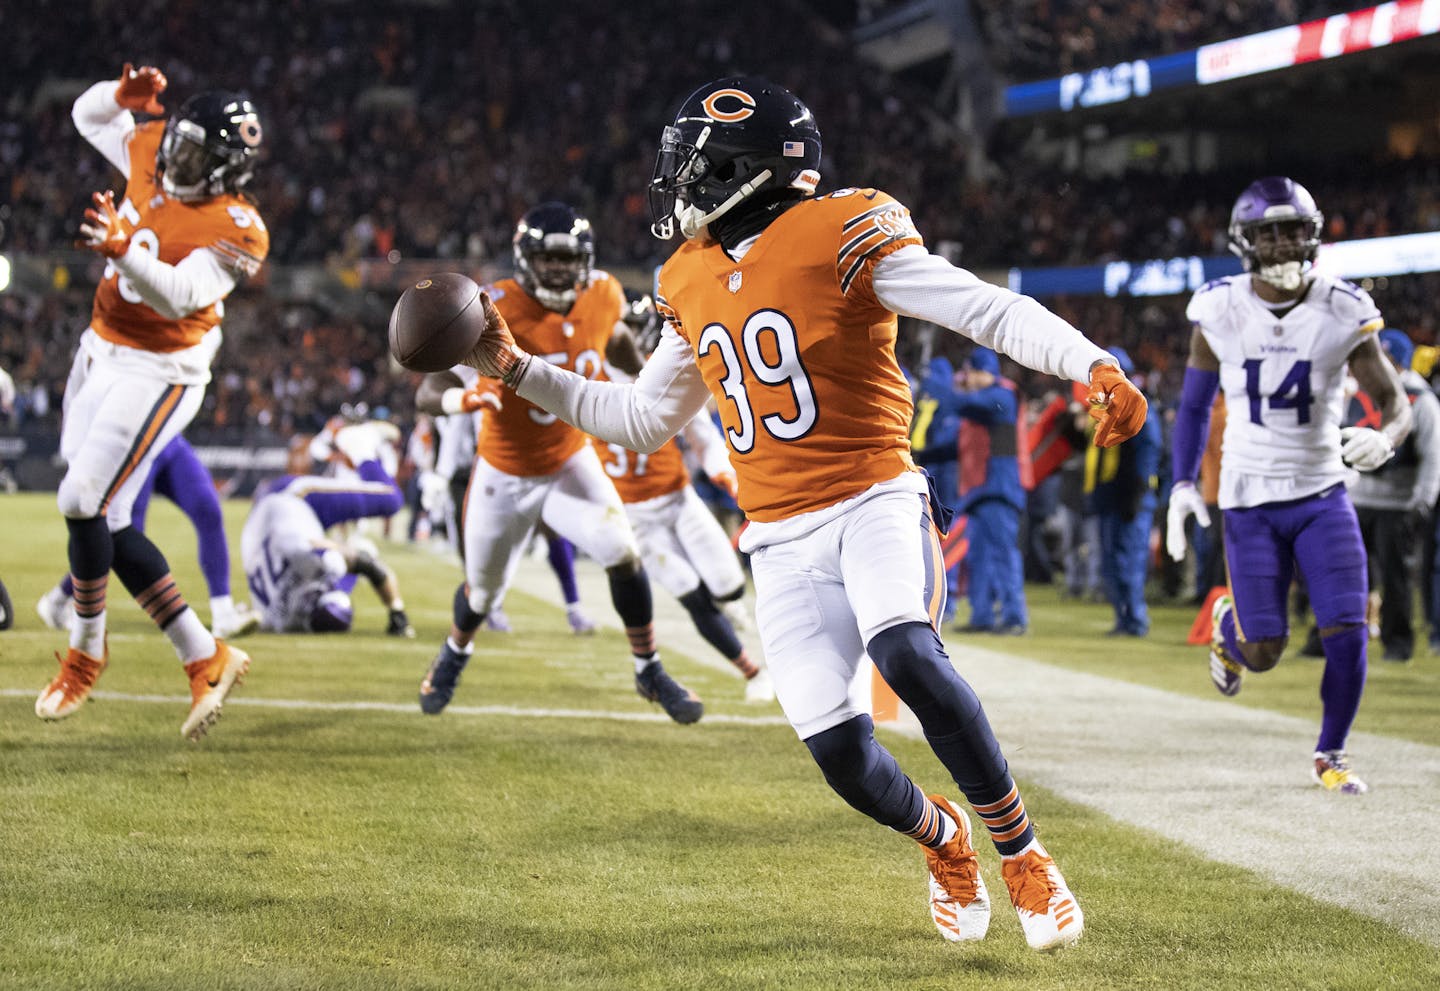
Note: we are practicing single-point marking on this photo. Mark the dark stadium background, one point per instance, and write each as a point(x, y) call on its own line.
point(403, 138)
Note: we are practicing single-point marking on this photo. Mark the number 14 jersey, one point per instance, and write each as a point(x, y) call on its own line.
point(1283, 379)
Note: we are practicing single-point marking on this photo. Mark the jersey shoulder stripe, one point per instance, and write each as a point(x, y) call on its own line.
point(882, 226)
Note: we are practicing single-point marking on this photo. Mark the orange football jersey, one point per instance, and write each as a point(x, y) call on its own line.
point(799, 353)
point(521, 438)
point(638, 477)
point(227, 224)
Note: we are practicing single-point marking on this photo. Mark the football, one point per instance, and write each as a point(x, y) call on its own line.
point(436, 323)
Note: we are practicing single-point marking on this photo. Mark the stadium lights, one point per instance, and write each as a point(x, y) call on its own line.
point(4, 272)
point(1404, 254)
point(1282, 48)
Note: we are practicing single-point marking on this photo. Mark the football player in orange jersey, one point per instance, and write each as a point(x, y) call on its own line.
point(530, 467)
point(683, 545)
point(782, 305)
point(182, 238)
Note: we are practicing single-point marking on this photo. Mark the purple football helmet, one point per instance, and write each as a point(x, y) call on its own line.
point(1275, 203)
point(333, 613)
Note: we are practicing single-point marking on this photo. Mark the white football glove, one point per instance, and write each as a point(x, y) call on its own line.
point(1185, 502)
point(433, 490)
point(1364, 449)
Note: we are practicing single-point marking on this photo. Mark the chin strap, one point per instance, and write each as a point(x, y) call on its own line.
point(1285, 276)
point(692, 221)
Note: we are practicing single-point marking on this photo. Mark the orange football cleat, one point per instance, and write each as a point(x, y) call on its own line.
point(210, 683)
point(78, 674)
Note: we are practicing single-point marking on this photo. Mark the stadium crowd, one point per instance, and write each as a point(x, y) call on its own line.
point(1035, 39)
point(397, 131)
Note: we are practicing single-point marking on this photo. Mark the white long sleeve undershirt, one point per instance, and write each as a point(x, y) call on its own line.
point(670, 390)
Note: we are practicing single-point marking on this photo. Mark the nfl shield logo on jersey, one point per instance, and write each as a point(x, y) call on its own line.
point(735, 281)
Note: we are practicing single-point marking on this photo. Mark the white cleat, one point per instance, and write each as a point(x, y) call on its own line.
point(240, 621)
point(760, 688)
point(959, 903)
point(55, 609)
point(1049, 913)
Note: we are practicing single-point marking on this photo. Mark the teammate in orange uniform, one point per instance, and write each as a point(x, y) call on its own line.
point(180, 241)
point(781, 304)
point(532, 468)
point(682, 544)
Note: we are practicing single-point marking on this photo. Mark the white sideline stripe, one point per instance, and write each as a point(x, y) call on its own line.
point(412, 709)
point(1229, 781)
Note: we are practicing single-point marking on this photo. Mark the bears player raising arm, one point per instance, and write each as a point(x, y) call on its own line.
point(175, 246)
point(782, 305)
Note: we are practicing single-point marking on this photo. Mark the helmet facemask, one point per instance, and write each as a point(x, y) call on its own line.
point(554, 253)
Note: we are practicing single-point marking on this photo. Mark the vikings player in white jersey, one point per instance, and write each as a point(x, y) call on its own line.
point(1277, 340)
point(300, 578)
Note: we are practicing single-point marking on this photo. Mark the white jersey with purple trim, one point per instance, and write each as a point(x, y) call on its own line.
point(287, 565)
point(1283, 378)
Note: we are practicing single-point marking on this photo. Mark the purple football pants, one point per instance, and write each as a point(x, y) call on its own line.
point(1319, 535)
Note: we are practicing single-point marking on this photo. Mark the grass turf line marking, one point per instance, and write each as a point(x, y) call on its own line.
point(412, 709)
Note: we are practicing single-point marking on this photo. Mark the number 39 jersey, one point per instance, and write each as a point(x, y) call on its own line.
point(1283, 379)
point(170, 229)
point(799, 353)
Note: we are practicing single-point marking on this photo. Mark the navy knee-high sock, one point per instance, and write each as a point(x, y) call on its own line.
point(913, 662)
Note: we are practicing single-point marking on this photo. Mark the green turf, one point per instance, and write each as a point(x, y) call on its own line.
point(314, 848)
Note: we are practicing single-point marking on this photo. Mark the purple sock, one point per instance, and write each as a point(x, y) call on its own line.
point(186, 482)
point(1342, 685)
point(67, 585)
point(562, 562)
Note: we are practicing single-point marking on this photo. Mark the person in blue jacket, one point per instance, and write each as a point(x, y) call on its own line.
point(934, 442)
point(1121, 484)
point(991, 495)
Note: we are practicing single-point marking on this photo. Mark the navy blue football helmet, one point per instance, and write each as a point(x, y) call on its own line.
point(737, 139)
point(209, 147)
point(1275, 229)
point(554, 254)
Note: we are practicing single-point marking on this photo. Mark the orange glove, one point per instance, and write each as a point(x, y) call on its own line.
point(140, 89)
point(1116, 406)
point(103, 230)
point(495, 354)
point(485, 395)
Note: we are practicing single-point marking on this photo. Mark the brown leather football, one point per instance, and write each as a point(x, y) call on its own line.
point(437, 322)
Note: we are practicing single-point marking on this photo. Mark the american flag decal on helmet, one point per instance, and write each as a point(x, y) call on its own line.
point(793, 149)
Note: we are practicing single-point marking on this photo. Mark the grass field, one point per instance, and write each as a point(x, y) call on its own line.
point(552, 830)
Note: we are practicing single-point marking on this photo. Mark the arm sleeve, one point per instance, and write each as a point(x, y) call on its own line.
point(641, 415)
point(105, 124)
point(709, 446)
point(1192, 423)
point(913, 282)
point(176, 291)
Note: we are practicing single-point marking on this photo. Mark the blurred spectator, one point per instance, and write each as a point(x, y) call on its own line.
point(991, 496)
point(1121, 483)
